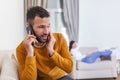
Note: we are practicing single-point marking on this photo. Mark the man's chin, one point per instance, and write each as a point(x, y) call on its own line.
point(43, 41)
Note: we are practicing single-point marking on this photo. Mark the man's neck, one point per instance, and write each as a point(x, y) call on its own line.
point(39, 44)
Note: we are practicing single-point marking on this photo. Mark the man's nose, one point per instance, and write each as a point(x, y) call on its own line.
point(46, 30)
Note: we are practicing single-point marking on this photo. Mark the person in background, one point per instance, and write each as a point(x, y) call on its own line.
point(75, 52)
point(43, 55)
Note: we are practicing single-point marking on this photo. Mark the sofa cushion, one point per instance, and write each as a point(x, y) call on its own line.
point(3, 54)
point(9, 69)
point(94, 66)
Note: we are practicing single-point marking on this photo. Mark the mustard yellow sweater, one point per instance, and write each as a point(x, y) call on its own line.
point(42, 65)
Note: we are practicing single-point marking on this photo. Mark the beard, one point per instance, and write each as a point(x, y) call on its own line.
point(43, 38)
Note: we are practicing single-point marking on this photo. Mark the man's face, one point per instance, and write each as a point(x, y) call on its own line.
point(41, 27)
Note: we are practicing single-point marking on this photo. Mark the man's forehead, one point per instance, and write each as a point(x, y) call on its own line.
point(44, 18)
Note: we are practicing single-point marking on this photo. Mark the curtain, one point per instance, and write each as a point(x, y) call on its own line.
point(30, 3)
point(71, 18)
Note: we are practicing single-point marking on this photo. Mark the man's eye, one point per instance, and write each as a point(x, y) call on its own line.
point(41, 27)
point(48, 26)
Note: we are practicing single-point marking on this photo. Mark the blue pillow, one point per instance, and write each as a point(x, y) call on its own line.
point(91, 58)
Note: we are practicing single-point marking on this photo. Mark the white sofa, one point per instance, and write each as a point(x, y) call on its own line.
point(8, 65)
point(98, 69)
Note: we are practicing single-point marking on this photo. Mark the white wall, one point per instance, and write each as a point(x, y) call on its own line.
point(11, 23)
point(99, 23)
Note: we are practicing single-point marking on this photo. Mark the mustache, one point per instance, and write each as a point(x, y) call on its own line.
point(44, 35)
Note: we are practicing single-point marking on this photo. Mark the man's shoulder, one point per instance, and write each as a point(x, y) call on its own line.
point(59, 38)
point(57, 35)
point(20, 46)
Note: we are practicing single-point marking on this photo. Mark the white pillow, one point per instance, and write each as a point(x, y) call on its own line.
point(4, 53)
point(9, 69)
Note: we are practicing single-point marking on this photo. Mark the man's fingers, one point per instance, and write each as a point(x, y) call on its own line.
point(51, 35)
point(30, 36)
point(33, 40)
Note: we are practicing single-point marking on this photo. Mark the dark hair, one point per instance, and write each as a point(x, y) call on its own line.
point(70, 44)
point(36, 11)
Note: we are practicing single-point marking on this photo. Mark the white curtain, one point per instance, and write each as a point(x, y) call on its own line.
point(71, 17)
point(30, 3)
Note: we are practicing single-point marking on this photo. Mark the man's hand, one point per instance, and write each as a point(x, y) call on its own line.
point(28, 44)
point(50, 44)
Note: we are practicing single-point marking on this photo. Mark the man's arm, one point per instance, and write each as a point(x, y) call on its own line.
point(63, 59)
point(26, 58)
point(26, 64)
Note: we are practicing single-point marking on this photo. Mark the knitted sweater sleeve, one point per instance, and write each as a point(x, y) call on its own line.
point(27, 65)
point(63, 59)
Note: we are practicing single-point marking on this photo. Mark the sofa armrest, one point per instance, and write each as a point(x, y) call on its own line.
point(9, 69)
point(73, 73)
point(113, 58)
point(74, 63)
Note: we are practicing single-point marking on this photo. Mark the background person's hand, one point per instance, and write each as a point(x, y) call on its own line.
point(28, 41)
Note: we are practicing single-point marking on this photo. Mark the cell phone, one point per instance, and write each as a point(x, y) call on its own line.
point(29, 28)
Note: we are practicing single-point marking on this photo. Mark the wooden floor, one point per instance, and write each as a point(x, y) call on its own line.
point(118, 78)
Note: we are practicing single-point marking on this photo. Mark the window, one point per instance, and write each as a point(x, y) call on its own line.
point(57, 24)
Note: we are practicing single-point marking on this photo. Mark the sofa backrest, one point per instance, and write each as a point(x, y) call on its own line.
point(88, 50)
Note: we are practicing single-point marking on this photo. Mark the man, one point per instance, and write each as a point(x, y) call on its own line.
point(43, 55)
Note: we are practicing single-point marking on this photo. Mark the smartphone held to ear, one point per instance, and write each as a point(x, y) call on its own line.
point(28, 28)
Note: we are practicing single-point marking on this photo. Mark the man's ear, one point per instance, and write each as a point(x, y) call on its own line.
point(27, 24)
